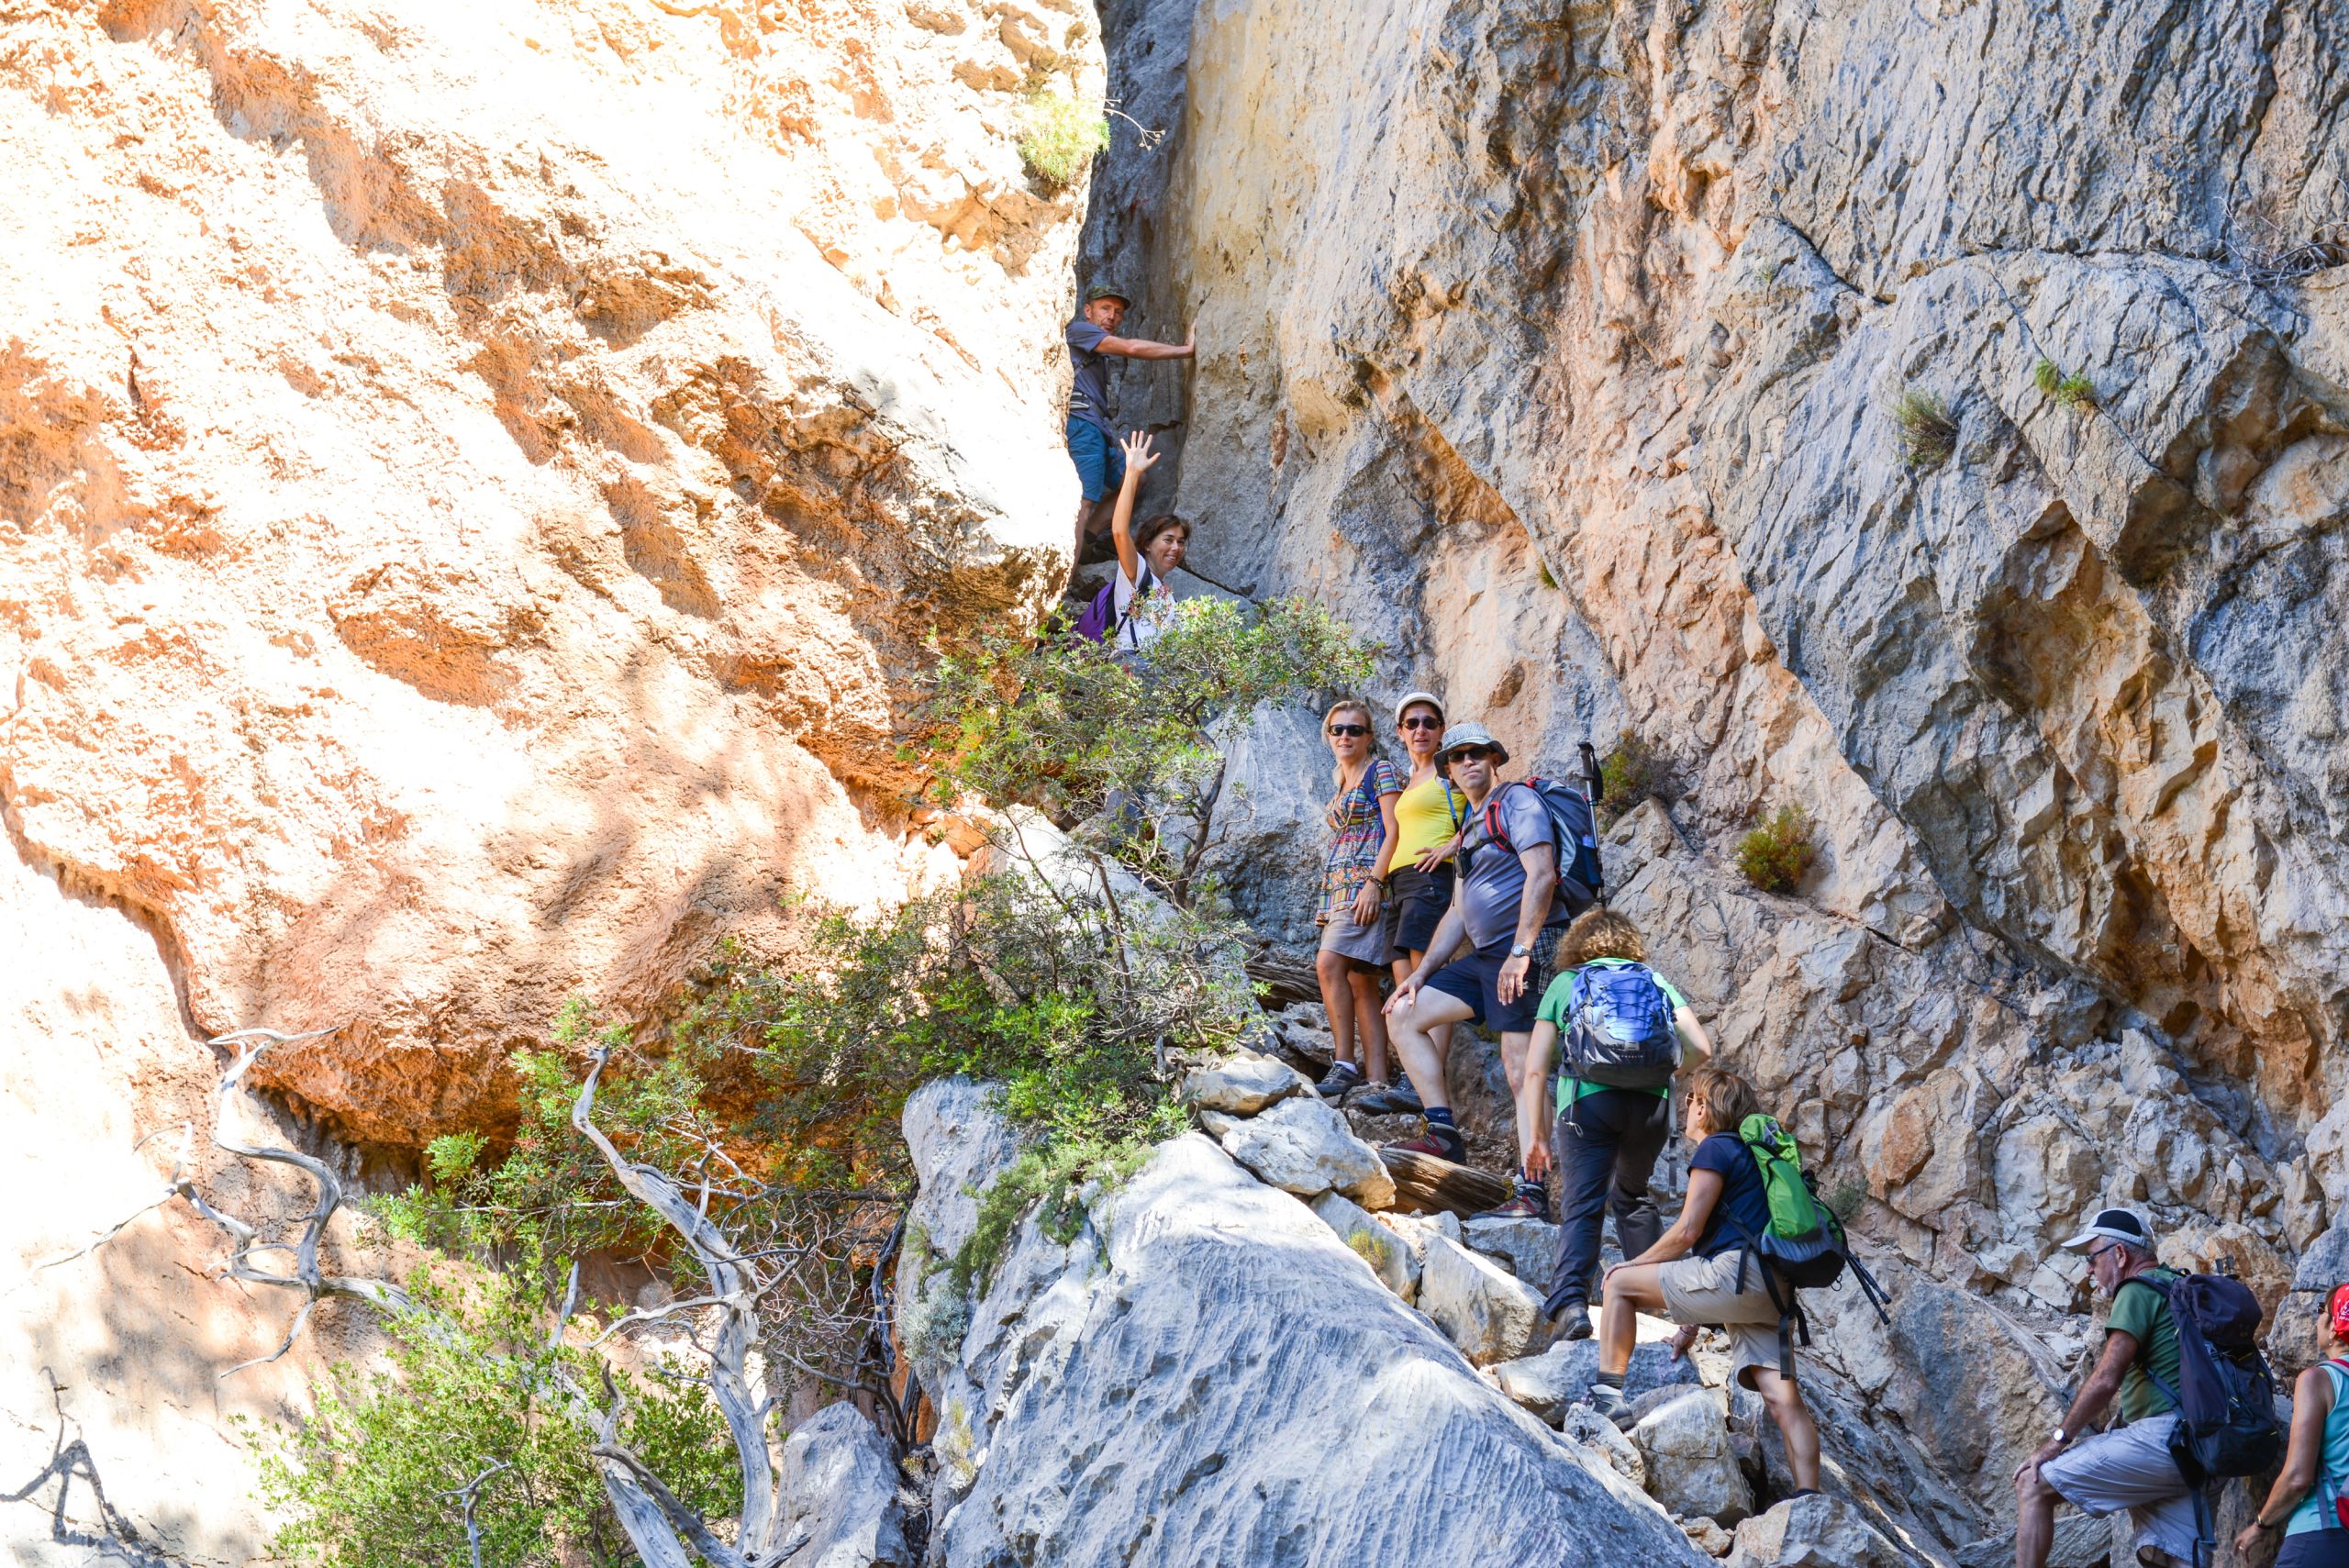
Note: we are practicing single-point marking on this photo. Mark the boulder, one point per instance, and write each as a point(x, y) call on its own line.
point(1301, 1145)
point(1220, 1381)
point(1394, 1259)
point(1241, 1085)
point(1692, 1467)
point(1581, 1424)
point(839, 1495)
point(1527, 1248)
point(1817, 1532)
point(1486, 1310)
point(1707, 1535)
point(1561, 1377)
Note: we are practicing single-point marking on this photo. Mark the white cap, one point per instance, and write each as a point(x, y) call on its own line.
point(1429, 698)
point(2116, 1225)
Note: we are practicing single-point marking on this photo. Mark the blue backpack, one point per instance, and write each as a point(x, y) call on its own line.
point(1581, 883)
point(1618, 1030)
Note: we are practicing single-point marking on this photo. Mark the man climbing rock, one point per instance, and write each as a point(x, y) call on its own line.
point(1092, 445)
point(2129, 1467)
point(1507, 905)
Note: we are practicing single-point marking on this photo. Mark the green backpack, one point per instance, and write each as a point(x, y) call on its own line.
point(1804, 1244)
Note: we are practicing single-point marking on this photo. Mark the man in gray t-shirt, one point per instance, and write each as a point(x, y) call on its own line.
point(1508, 906)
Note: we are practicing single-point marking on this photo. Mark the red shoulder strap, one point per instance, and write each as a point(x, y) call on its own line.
point(1493, 816)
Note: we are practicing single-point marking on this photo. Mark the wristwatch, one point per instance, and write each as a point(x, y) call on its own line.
point(2062, 1437)
point(1519, 950)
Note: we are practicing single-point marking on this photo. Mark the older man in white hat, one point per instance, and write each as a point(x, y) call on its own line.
point(2129, 1467)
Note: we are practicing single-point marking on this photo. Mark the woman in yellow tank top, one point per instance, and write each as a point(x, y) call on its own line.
point(1428, 816)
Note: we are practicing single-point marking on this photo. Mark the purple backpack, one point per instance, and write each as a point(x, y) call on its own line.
point(1101, 622)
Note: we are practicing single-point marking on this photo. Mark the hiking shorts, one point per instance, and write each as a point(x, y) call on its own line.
point(1476, 980)
point(1100, 462)
point(1703, 1290)
point(1416, 901)
point(2315, 1549)
point(2130, 1469)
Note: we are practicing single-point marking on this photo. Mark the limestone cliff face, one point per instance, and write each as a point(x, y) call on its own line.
point(474, 480)
point(1508, 295)
point(1561, 345)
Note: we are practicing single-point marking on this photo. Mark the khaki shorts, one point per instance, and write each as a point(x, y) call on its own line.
point(2130, 1469)
point(1703, 1290)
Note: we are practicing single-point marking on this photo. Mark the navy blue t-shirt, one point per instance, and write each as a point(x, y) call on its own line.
point(1088, 399)
point(1744, 1199)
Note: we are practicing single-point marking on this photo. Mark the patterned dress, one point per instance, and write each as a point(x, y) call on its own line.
point(1357, 832)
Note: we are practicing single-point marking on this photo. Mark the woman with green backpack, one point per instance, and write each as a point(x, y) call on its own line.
point(1707, 1270)
point(2309, 1502)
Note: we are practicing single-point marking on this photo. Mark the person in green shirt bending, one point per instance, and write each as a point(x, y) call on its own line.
point(1606, 1139)
point(2129, 1467)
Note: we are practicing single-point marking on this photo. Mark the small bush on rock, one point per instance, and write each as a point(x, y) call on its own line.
point(1059, 135)
point(1628, 775)
point(1774, 856)
point(2075, 390)
point(1927, 433)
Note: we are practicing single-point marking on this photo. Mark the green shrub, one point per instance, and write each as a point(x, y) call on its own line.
point(375, 1478)
point(1059, 135)
point(1628, 775)
point(1774, 856)
point(1848, 1198)
point(1927, 433)
point(2074, 389)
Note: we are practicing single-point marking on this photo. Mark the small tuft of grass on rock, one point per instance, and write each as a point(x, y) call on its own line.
point(1628, 775)
point(1059, 135)
point(2074, 390)
point(1928, 433)
point(1775, 855)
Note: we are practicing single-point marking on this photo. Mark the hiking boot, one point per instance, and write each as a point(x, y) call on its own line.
point(1577, 1321)
point(1524, 1205)
point(1444, 1142)
point(1396, 1100)
point(1608, 1401)
point(1335, 1083)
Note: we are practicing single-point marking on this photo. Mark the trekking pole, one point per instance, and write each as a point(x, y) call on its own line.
point(1594, 787)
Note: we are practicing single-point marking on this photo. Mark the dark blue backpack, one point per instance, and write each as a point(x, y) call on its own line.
point(1580, 880)
point(1618, 1030)
point(2225, 1395)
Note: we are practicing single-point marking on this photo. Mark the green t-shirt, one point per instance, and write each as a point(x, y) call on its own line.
point(2144, 1316)
point(1552, 1011)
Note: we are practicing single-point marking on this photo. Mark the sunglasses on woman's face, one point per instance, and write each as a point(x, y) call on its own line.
point(1350, 729)
point(1421, 721)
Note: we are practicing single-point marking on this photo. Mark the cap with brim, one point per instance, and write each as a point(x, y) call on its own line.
point(1429, 698)
point(1108, 291)
point(2115, 1225)
point(1468, 733)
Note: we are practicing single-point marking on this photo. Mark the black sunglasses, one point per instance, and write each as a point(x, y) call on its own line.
point(2095, 1252)
point(1469, 754)
point(1350, 729)
point(1421, 721)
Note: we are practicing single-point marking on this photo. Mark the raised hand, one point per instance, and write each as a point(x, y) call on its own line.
point(1140, 455)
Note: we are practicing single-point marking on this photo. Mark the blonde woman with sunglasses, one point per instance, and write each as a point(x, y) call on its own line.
point(1353, 886)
